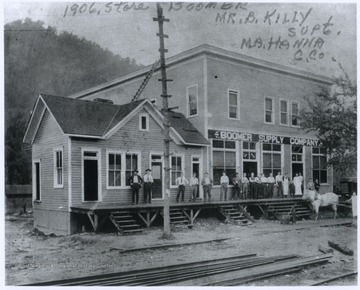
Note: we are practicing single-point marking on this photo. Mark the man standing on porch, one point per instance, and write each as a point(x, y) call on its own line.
point(206, 182)
point(224, 182)
point(148, 181)
point(135, 183)
point(194, 183)
point(181, 182)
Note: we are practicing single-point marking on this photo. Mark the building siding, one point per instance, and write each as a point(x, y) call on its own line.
point(48, 138)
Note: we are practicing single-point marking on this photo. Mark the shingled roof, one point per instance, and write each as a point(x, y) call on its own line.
point(96, 119)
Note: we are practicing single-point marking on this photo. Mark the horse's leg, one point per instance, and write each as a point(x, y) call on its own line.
point(335, 210)
point(316, 212)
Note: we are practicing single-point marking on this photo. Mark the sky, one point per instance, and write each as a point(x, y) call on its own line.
point(315, 37)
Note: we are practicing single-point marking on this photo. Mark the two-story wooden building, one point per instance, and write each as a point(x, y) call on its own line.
point(235, 113)
point(247, 108)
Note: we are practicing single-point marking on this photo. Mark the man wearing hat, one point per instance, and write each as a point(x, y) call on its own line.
point(135, 183)
point(148, 181)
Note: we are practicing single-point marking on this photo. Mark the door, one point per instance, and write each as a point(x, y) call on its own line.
point(297, 168)
point(249, 167)
point(37, 181)
point(91, 180)
point(157, 187)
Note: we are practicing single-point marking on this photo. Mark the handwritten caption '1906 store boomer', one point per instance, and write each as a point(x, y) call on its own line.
point(262, 138)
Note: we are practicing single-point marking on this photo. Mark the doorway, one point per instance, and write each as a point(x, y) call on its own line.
point(157, 174)
point(297, 168)
point(195, 168)
point(249, 167)
point(91, 176)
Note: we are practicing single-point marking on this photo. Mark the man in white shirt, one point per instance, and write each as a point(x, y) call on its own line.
point(206, 182)
point(181, 182)
point(224, 182)
point(148, 181)
point(264, 183)
point(271, 182)
point(194, 183)
point(279, 184)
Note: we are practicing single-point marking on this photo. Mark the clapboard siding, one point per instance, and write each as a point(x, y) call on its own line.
point(128, 138)
point(186, 74)
point(48, 138)
point(253, 84)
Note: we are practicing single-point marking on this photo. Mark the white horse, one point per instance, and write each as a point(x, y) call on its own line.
point(321, 200)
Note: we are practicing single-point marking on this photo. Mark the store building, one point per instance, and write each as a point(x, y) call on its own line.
point(247, 108)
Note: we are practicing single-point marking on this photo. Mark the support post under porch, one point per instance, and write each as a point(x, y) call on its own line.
point(191, 216)
point(148, 219)
point(94, 220)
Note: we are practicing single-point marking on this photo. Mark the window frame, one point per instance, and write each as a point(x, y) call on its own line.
point(223, 150)
point(147, 122)
point(138, 153)
point(188, 101)
point(108, 152)
point(319, 169)
point(287, 112)
point(237, 104)
point(272, 111)
point(55, 168)
point(291, 116)
point(272, 152)
point(182, 168)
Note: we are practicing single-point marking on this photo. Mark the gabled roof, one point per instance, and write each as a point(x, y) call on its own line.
point(91, 119)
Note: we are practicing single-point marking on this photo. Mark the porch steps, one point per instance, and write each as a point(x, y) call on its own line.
point(278, 209)
point(125, 222)
point(177, 218)
point(233, 213)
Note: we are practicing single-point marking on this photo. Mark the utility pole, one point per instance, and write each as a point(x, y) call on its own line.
point(161, 19)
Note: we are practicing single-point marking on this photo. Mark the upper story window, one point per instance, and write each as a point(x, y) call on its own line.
point(284, 112)
point(58, 168)
point(144, 122)
point(192, 100)
point(269, 110)
point(295, 114)
point(234, 105)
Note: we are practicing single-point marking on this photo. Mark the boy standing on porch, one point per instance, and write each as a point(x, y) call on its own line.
point(135, 183)
point(148, 181)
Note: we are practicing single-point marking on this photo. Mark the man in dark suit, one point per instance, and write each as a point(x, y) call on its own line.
point(135, 183)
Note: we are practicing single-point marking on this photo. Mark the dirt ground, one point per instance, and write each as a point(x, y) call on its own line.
point(31, 257)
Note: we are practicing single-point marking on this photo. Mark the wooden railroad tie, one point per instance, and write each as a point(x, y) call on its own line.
point(343, 249)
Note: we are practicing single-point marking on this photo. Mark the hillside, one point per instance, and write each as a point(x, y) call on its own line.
point(40, 60)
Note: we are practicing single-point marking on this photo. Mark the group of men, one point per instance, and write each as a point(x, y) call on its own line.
point(253, 187)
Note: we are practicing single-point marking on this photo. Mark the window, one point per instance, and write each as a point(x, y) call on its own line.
point(176, 168)
point(233, 101)
point(269, 110)
point(296, 153)
point(249, 150)
point(58, 168)
point(192, 99)
point(271, 158)
point(144, 122)
point(319, 164)
point(284, 115)
point(114, 170)
point(131, 164)
point(295, 114)
point(224, 159)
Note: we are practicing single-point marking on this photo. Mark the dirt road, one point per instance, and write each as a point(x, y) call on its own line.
point(31, 257)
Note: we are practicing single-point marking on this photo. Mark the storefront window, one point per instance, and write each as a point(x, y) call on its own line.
point(224, 159)
point(271, 159)
point(320, 171)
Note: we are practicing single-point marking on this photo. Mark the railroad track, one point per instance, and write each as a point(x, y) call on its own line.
point(224, 271)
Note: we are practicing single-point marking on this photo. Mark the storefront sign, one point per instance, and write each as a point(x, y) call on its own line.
point(262, 138)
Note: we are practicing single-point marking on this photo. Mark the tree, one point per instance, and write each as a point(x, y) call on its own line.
point(332, 116)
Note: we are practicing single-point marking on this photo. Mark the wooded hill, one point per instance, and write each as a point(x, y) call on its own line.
point(40, 60)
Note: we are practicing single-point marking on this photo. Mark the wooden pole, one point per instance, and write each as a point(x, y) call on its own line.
point(161, 19)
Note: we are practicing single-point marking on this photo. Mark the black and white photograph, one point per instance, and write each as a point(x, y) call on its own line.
point(180, 144)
